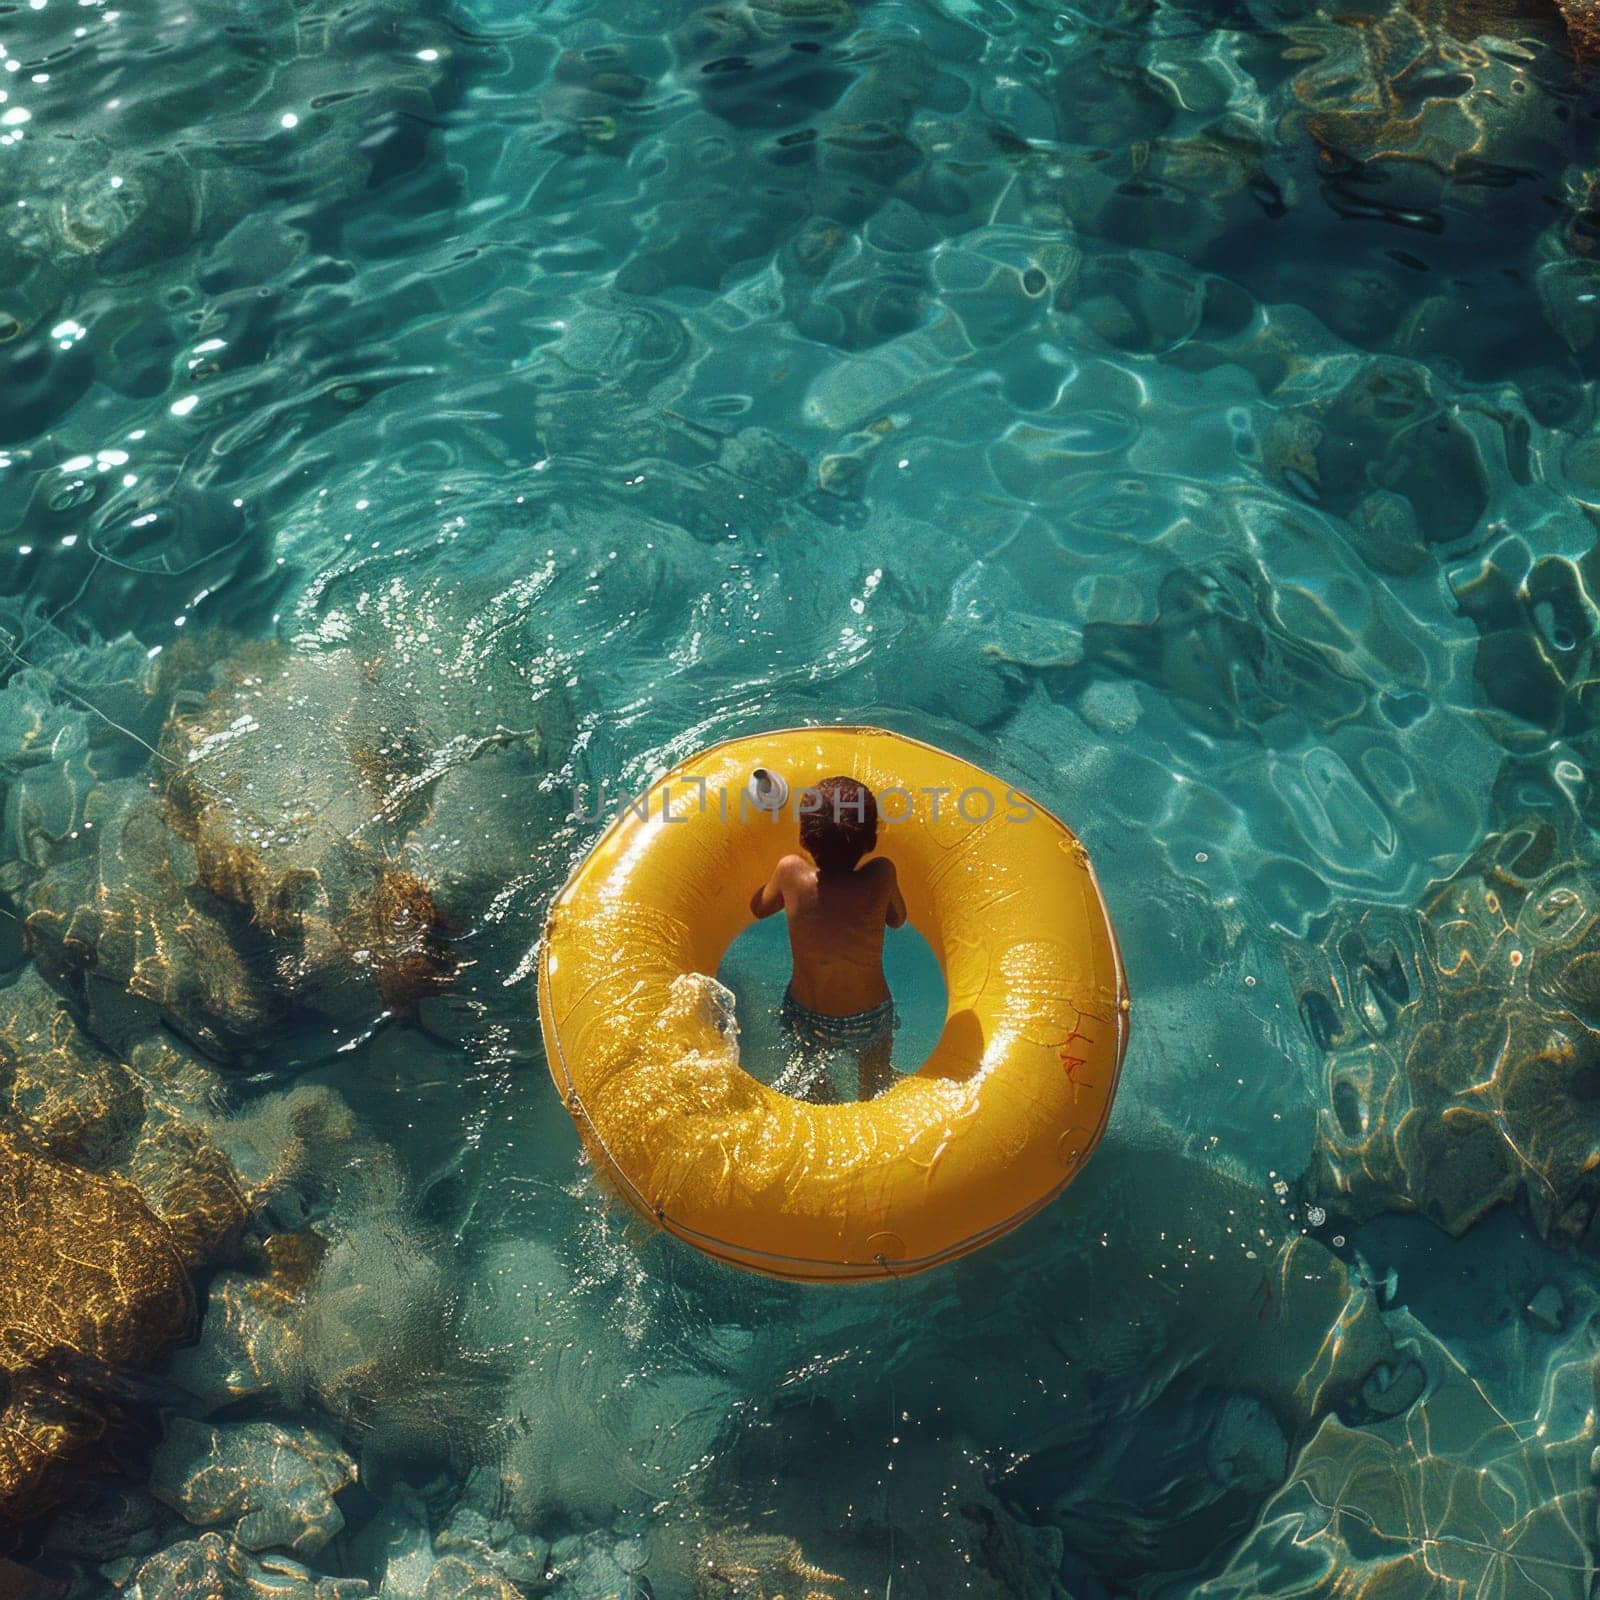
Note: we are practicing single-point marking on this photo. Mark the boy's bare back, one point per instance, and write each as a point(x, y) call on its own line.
point(836, 925)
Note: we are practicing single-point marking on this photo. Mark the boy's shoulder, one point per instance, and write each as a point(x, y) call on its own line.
point(878, 868)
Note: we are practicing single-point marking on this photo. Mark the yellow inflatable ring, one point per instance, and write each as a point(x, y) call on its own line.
point(991, 1127)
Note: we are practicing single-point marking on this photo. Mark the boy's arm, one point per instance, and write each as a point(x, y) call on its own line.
point(894, 913)
point(768, 899)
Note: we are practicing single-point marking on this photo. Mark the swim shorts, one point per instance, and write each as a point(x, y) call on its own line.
point(857, 1031)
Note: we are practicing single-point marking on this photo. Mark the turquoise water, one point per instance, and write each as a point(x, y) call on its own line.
point(409, 411)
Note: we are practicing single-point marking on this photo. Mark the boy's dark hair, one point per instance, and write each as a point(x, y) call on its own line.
point(838, 823)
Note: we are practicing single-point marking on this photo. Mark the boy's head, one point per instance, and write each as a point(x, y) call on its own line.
point(838, 823)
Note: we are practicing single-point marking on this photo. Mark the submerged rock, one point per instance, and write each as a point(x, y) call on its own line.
point(94, 1285)
point(358, 1317)
point(125, 929)
point(252, 1341)
point(70, 1100)
point(335, 814)
point(1377, 445)
point(453, 1578)
point(322, 827)
point(214, 1568)
point(733, 1563)
point(275, 1485)
point(1218, 643)
point(1462, 1043)
point(143, 1120)
point(96, 1288)
point(1441, 124)
point(295, 787)
point(358, 806)
point(496, 1545)
point(127, 1174)
point(1538, 640)
point(107, 1522)
point(55, 749)
point(1451, 1498)
point(192, 1186)
point(1413, 86)
point(468, 1558)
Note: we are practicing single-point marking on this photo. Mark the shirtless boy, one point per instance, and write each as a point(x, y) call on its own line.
point(837, 909)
